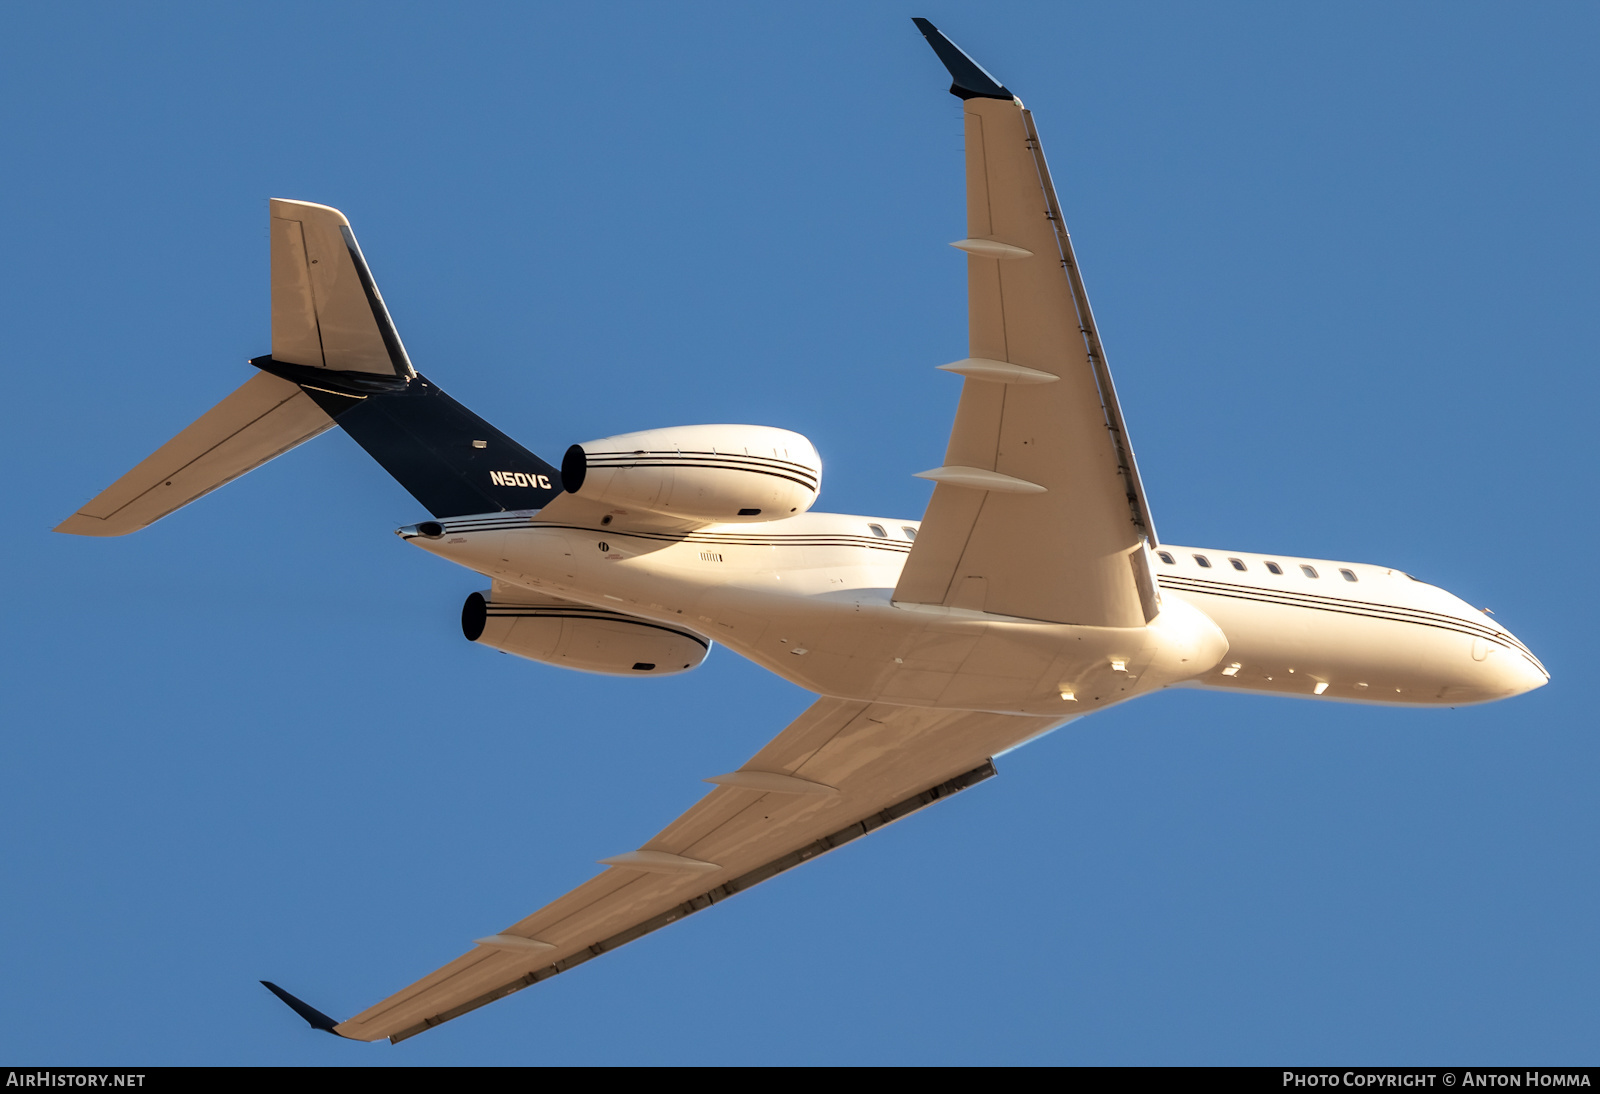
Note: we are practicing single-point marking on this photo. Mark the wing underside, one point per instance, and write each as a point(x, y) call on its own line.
point(1038, 510)
point(841, 770)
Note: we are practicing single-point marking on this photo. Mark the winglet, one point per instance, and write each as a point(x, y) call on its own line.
point(970, 80)
point(311, 1014)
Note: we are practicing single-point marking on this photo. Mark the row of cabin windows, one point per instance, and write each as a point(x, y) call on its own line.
point(1238, 564)
point(1166, 556)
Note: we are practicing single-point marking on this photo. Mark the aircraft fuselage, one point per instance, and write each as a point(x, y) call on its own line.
point(810, 598)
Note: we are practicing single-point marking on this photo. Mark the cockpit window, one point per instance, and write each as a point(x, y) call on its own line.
point(1274, 568)
point(1349, 575)
point(877, 530)
point(1205, 563)
point(1236, 563)
point(1309, 571)
point(1166, 557)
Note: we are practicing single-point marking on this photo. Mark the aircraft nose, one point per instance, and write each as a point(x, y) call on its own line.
point(1509, 669)
point(1526, 673)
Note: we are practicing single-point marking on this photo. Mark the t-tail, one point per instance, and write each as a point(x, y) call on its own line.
point(336, 360)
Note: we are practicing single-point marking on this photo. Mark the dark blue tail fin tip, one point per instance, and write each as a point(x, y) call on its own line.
point(305, 1010)
point(968, 79)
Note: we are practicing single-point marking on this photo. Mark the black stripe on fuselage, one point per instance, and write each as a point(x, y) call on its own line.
point(1388, 613)
point(800, 477)
point(1305, 599)
point(522, 611)
point(624, 459)
point(737, 539)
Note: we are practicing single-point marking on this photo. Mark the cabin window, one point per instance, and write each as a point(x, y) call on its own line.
point(1166, 557)
point(877, 530)
point(1237, 564)
point(1348, 575)
point(1309, 571)
point(911, 533)
point(1274, 568)
point(1205, 563)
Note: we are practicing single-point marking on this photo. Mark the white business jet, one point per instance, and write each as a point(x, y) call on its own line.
point(1033, 591)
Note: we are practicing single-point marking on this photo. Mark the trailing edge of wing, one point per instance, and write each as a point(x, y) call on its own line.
point(1127, 466)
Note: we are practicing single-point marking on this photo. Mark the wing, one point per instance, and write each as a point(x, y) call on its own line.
point(841, 770)
point(1038, 511)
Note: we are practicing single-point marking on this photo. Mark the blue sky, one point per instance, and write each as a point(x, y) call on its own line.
point(1342, 258)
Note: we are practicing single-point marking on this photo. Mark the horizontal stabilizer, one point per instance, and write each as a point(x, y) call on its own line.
point(264, 418)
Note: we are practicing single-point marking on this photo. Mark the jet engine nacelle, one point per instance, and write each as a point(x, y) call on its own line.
point(712, 473)
point(573, 636)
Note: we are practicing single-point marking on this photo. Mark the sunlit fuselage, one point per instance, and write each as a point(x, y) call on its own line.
point(811, 598)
